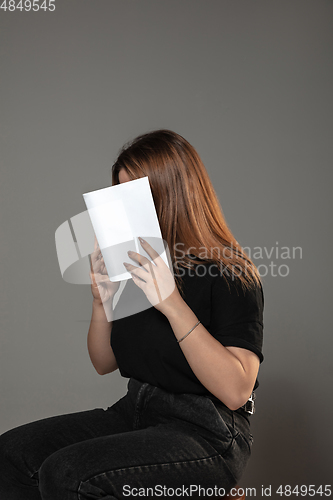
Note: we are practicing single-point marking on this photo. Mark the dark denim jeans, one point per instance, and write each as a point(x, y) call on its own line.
point(150, 438)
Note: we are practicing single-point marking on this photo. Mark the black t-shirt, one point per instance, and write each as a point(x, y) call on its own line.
point(146, 348)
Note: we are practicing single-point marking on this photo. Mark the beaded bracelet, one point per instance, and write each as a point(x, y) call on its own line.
point(188, 333)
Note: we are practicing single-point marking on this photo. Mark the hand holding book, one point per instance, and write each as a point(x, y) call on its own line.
point(102, 288)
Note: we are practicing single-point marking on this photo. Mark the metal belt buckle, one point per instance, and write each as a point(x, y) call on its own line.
point(249, 406)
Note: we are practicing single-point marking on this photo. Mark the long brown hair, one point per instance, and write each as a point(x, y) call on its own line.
point(186, 203)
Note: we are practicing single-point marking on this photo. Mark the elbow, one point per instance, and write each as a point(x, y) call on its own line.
point(235, 401)
point(100, 372)
point(233, 406)
point(99, 368)
point(105, 371)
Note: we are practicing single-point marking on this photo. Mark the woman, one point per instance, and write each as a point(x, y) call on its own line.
point(191, 352)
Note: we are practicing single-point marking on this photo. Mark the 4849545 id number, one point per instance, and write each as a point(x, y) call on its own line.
point(27, 5)
point(304, 490)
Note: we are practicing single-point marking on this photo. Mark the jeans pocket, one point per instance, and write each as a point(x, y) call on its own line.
point(246, 440)
point(219, 429)
point(225, 416)
point(238, 456)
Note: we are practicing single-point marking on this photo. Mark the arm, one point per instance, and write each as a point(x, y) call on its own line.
point(227, 372)
point(99, 334)
point(98, 341)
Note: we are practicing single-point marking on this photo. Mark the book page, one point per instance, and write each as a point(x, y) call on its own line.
point(119, 215)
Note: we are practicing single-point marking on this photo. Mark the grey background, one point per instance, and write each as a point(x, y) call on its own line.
point(249, 84)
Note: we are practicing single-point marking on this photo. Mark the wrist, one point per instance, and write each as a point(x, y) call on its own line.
point(99, 303)
point(176, 308)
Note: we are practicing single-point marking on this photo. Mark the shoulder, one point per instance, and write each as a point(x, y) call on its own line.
point(237, 314)
point(222, 280)
point(222, 286)
point(246, 300)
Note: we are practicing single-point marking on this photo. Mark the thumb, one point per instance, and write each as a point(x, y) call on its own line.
point(92, 278)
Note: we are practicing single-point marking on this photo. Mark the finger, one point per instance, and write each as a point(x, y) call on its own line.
point(94, 257)
point(95, 265)
point(98, 279)
point(156, 285)
point(143, 261)
point(96, 253)
point(151, 252)
point(137, 281)
point(92, 278)
point(141, 273)
point(90, 261)
point(100, 273)
point(101, 278)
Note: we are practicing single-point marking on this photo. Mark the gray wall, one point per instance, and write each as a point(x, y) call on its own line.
point(249, 84)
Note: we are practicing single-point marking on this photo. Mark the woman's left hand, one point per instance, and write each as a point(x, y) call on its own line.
point(156, 281)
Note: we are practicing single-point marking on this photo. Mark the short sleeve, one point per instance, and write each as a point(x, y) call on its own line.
point(237, 314)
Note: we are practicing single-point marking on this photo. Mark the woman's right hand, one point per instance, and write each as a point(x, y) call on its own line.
point(101, 287)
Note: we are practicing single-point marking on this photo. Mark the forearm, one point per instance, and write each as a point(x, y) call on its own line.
point(98, 341)
point(214, 365)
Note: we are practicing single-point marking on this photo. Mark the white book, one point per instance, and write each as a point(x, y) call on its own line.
point(119, 215)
